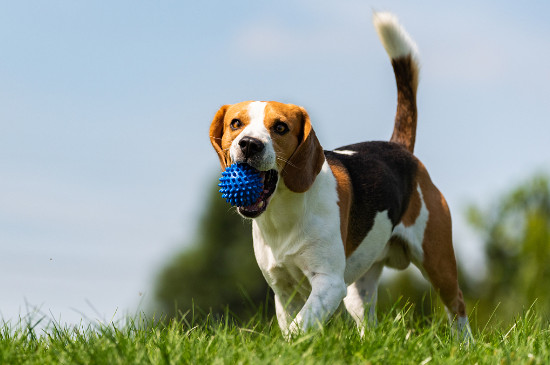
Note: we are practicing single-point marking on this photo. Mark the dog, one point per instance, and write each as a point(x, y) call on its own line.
point(327, 222)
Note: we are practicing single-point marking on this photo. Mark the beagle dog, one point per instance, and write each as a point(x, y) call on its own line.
point(327, 222)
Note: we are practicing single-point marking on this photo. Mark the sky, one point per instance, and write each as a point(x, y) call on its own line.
point(105, 159)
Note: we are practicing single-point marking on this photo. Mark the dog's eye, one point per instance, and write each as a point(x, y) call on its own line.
point(280, 128)
point(235, 124)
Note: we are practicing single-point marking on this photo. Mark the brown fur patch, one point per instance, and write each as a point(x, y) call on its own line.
point(291, 115)
point(439, 258)
point(345, 196)
point(306, 162)
point(413, 208)
point(236, 111)
point(221, 135)
point(406, 77)
point(216, 134)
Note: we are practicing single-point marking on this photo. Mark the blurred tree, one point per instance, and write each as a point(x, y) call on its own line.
point(218, 270)
point(516, 233)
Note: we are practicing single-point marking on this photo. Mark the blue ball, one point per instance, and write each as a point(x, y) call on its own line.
point(241, 185)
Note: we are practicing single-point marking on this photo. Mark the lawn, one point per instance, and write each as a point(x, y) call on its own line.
point(401, 337)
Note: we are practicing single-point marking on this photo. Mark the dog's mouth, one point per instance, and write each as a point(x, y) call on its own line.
point(270, 179)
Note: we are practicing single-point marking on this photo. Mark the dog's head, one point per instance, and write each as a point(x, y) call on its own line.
point(274, 138)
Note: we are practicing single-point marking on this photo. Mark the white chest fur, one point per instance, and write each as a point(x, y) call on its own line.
point(299, 235)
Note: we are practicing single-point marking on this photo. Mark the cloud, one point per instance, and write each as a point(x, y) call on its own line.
point(259, 42)
point(268, 40)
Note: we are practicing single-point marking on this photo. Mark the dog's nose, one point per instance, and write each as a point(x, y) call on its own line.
point(250, 146)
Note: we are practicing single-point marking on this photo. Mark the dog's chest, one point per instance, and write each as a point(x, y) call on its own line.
point(281, 264)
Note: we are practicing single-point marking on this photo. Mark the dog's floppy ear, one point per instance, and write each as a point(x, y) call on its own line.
point(307, 160)
point(216, 133)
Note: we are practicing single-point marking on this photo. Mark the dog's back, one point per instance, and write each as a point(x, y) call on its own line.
point(382, 174)
point(381, 177)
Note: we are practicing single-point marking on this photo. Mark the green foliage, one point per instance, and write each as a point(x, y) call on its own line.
point(516, 235)
point(399, 338)
point(218, 270)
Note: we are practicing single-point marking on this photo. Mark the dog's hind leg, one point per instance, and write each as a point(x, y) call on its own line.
point(438, 263)
point(443, 276)
point(362, 296)
point(441, 271)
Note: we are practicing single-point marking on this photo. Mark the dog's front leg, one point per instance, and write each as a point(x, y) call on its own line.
point(283, 316)
point(287, 307)
point(327, 292)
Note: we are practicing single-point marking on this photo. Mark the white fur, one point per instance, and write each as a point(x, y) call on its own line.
point(256, 129)
point(414, 235)
point(393, 36)
point(256, 112)
point(363, 295)
point(363, 270)
point(463, 330)
point(372, 249)
point(345, 152)
point(299, 249)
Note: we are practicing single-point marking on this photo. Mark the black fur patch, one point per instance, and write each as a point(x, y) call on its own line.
point(382, 176)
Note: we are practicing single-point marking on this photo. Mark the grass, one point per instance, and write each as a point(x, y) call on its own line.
point(400, 337)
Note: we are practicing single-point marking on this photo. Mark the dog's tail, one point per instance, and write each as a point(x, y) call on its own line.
point(403, 54)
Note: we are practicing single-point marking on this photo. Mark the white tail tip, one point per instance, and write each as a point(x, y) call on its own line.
point(393, 36)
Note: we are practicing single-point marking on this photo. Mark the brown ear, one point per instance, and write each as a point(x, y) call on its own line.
point(307, 160)
point(216, 133)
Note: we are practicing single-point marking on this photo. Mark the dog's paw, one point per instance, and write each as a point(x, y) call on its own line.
point(294, 329)
point(462, 331)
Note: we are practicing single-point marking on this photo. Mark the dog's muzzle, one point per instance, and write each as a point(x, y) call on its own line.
point(253, 152)
point(250, 147)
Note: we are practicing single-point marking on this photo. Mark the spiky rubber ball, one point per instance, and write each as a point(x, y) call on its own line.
point(241, 185)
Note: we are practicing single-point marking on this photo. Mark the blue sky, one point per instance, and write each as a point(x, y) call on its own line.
point(105, 110)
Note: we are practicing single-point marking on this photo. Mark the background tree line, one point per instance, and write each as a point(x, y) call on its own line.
point(218, 271)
